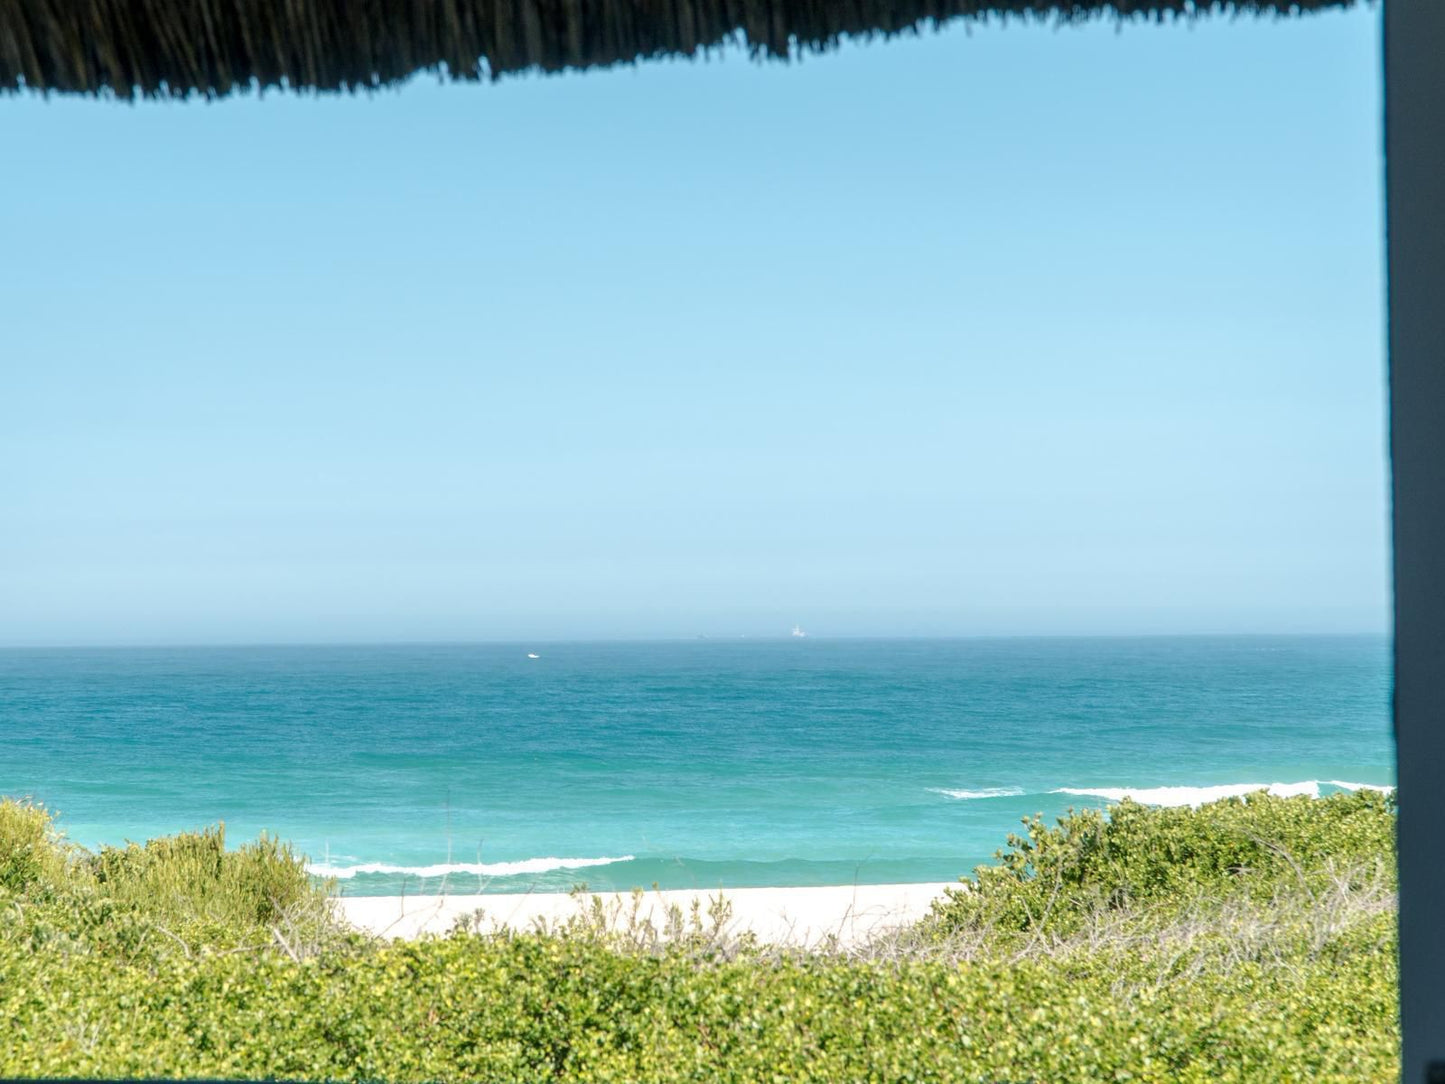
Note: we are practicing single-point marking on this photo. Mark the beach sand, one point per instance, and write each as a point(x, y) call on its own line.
point(788, 916)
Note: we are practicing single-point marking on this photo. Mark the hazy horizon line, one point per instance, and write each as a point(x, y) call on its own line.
point(700, 638)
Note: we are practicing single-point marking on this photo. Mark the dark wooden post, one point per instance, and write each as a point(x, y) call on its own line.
point(1415, 228)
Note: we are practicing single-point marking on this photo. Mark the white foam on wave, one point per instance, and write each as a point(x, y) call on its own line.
point(479, 869)
point(991, 792)
point(1194, 796)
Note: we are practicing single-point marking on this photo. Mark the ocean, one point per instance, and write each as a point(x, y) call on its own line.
point(467, 768)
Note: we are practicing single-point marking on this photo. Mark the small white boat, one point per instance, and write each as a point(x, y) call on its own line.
point(531, 656)
point(798, 631)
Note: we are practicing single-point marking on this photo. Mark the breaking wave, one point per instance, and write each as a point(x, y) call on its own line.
point(476, 869)
point(991, 792)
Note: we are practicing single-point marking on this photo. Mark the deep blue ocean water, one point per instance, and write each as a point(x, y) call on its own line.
point(682, 764)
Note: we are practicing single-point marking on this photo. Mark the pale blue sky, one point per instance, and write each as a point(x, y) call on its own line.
point(1028, 330)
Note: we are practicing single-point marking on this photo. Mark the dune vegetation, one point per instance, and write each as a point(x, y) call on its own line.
point(1247, 940)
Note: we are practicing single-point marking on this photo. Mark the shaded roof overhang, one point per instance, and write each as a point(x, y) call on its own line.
point(179, 48)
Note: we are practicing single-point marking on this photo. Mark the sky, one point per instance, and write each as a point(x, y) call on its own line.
point(1023, 330)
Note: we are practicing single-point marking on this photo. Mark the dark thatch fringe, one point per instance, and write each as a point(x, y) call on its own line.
point(177, 48)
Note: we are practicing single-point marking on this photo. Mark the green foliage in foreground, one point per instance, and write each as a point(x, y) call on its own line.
point(1174, 948)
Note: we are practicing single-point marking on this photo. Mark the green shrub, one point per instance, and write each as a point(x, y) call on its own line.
point(32, 853)
point(206, 894)
point(536, 1008)
point(185, 893)
point(1162, 861)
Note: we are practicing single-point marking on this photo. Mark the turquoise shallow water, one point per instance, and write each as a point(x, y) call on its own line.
point(682, 764)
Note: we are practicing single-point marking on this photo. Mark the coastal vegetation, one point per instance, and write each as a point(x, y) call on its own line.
point(1246, 940)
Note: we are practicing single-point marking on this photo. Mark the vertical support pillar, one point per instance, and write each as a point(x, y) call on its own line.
point(1415, 228)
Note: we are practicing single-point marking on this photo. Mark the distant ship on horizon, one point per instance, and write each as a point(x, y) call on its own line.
point(798, 632)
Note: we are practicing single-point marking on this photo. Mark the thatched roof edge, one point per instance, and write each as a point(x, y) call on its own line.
point(179, 48)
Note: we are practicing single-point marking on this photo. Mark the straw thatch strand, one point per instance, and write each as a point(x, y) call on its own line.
point(160, 48)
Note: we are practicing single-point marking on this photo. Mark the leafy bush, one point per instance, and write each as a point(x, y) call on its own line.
point(209, 895)
point(32, 853)
point(183, 893)
point(1290, 998)
point(1161, 862)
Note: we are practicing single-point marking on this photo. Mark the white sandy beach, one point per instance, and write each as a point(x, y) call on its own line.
point(791, 916)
